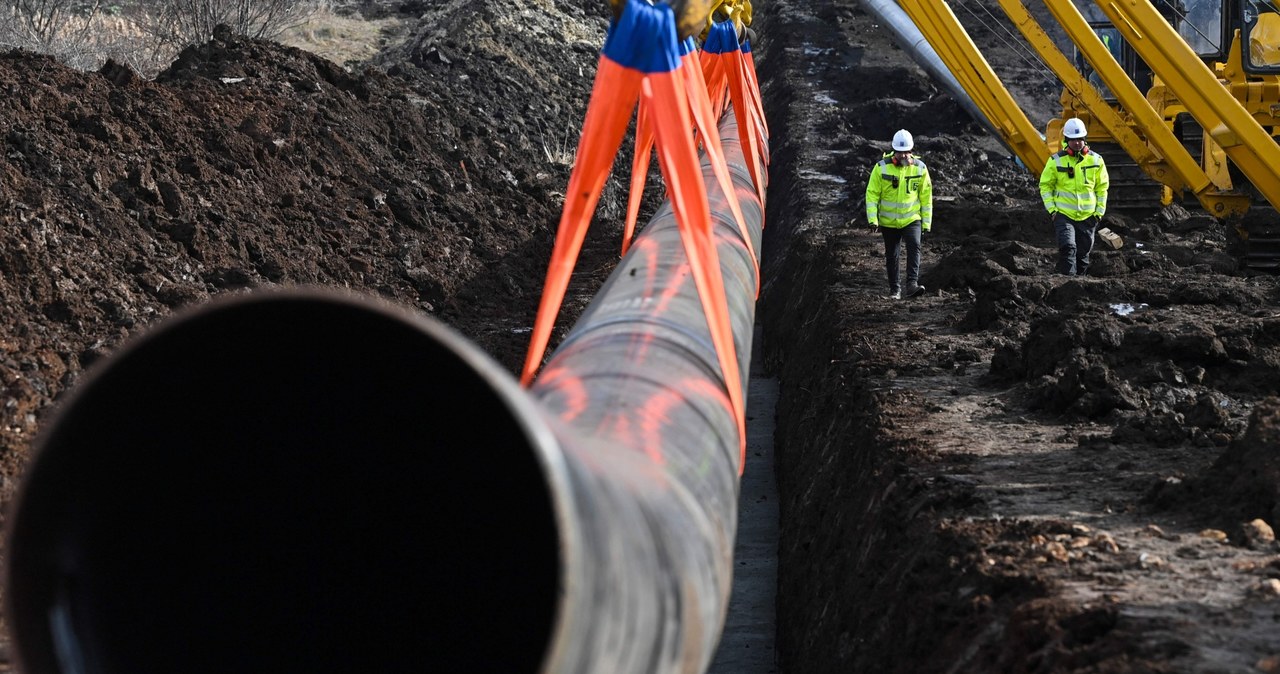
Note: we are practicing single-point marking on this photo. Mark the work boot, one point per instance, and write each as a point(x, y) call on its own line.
point(895, 295)
point(913, 289)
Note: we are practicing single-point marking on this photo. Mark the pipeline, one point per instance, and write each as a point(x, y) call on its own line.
point(307, 480)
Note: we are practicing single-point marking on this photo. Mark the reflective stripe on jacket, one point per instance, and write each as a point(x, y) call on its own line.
point(898, 196)
point(1075, 186)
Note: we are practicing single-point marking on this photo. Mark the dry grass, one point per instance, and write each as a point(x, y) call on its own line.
point(344, 39)
point(561, 147)
point(560, 151)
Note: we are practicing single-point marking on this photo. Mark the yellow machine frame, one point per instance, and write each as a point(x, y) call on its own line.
point(1231, 106)
point(948, 38)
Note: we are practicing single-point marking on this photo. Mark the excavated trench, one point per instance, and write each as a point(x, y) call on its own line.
point(856, 565)
point(997, 476)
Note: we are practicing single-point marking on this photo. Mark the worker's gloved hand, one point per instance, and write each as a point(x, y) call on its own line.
point(873, 226)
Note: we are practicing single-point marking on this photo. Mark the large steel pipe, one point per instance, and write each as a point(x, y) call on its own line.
point(318, 482)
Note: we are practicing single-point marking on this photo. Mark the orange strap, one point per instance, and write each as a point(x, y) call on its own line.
point(613, 97)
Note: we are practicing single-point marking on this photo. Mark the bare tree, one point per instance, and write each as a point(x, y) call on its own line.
point(179, 23)
point(64, 29)
point(143, 34)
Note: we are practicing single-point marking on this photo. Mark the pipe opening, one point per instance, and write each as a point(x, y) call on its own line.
point(303, 483)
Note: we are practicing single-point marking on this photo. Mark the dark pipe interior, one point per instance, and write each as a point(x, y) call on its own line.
point(292, 485)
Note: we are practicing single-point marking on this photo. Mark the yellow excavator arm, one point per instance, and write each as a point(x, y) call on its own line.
point(957, 51)
point(1153, 146)
point(1206, 122)
point(1197, 87)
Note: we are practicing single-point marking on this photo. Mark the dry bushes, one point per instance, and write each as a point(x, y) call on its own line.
point(143, 34)
point(67, 30)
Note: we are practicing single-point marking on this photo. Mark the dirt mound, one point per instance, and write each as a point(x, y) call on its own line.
point(247, 163)
point(1243, 484)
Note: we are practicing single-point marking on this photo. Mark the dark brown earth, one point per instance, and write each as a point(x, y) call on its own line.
point(1010, 473)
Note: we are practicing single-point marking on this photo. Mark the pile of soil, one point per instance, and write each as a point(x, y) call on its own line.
point(1014, 472)
point(250, 164)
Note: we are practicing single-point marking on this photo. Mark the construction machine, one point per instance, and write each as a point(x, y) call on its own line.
point(1181, 96)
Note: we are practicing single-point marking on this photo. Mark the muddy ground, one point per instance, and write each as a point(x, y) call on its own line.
point(1015, 472)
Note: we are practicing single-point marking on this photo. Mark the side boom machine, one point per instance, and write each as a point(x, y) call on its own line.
point(1182, 96)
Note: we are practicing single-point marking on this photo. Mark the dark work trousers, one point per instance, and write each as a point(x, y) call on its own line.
point(893, 239)
point(1075, 242)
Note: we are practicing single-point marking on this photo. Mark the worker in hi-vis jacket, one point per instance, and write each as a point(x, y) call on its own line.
point(900, 207)
point(1074, 187)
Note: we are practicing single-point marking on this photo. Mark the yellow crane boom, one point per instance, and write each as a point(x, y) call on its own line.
point(1224, 118)
point(956, 49)
point(1156, 150)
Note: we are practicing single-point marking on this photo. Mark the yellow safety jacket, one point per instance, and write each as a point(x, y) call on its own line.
point(1075, 186)
point(899, 195)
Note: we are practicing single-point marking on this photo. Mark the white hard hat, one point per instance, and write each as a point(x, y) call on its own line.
point(1074, 128)
point(902, 141)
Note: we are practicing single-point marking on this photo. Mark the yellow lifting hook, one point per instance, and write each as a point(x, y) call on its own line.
point(691, 15)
